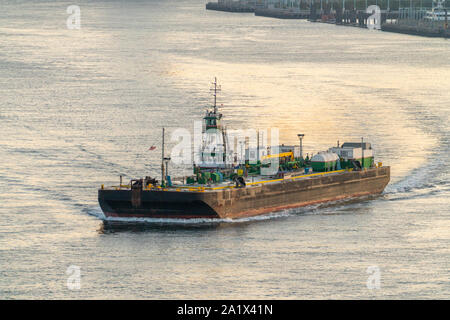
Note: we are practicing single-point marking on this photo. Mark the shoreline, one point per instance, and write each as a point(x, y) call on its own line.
point(351, 18)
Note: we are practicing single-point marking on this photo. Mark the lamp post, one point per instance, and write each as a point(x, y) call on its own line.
point(162, 159)
point(300, 136)
point(242, 160)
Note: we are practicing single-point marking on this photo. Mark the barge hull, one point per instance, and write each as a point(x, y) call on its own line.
point(243, 202)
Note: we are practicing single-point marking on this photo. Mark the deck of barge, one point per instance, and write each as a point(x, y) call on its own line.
point(251, 181)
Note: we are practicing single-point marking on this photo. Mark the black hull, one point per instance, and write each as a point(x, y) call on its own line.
point(155, 204)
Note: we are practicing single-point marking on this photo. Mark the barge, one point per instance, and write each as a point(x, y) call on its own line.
point(270, 182)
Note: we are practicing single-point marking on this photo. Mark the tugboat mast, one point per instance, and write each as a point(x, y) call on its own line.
point(215, 89)
point(162, 159)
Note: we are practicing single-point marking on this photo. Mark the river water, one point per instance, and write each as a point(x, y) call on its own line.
point(79, 107)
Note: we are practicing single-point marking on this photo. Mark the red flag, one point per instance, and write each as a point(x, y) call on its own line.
point(152, 148)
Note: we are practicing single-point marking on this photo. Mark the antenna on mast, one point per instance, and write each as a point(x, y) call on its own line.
point(215, 89)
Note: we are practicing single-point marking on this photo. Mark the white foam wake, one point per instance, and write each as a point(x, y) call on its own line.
point(268, 216)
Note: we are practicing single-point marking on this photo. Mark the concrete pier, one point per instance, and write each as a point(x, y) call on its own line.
point(419, 28)
point(282, 13)
point(352, 18)
point(231, 6)
point(402, 20)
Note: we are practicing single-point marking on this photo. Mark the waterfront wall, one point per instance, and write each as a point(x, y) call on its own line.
point(418, 27)
point(348, 13)
point(282, 13)
point(232, 6)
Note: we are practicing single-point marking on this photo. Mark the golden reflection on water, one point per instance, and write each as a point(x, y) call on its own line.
point(329, 103)
point(81, 107)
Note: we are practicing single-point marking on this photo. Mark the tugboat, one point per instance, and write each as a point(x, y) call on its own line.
point(266, 179)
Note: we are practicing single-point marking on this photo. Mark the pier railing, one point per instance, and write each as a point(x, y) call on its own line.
point(419, 21)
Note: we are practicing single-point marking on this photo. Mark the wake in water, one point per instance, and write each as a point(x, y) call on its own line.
point(427, 180)
point(192, 221)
